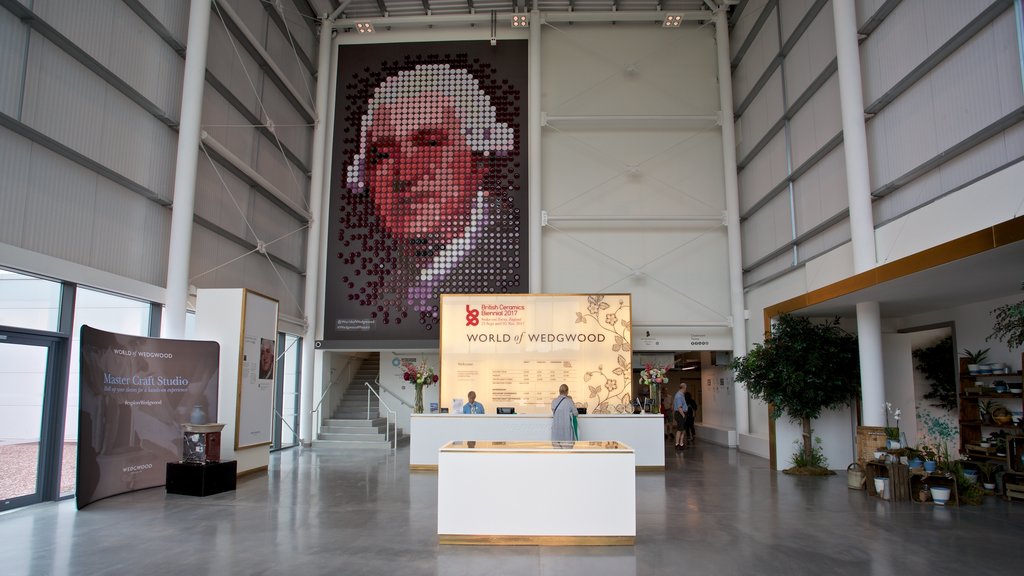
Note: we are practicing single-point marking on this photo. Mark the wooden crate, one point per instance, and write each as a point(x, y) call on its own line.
point(925, 481)
point(1013, 484)
point(898, 475)
point(870, 439)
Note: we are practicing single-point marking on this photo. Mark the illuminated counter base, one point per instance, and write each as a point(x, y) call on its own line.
point(645, 433)
point(531, 493)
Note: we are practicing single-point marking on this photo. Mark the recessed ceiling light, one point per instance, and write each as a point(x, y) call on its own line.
point(672, 20)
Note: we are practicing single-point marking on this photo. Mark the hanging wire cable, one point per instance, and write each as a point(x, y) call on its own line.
point(263, 109)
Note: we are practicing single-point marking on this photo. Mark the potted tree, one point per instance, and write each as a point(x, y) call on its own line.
point(802, 368)
point(936, 362)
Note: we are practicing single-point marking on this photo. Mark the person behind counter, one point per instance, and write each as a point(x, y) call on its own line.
point(472, 407)
point(563, 417)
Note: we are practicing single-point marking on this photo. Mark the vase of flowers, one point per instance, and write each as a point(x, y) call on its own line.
point(420, 376)
point(654, 377)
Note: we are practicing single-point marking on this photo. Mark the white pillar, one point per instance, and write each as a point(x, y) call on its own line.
point(179, 253)
point(533, 150)
point(732, 215)
point(316, 194)
point(858, 190)
point(872, 375)
point(855, 144)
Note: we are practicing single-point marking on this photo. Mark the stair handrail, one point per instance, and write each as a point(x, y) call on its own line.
point(329, 388)
point(388, 437)
point(397, 397)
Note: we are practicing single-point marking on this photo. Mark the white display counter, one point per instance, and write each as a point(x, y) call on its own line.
point(536, 493)
point(645, 433)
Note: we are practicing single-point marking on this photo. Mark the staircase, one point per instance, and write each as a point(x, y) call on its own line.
point(349, 426)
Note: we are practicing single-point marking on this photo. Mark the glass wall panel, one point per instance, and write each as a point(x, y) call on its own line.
point(105, 312)
point(27, 302)
point(22, 383)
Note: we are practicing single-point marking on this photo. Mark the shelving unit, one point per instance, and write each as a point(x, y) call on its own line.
point(976, 389)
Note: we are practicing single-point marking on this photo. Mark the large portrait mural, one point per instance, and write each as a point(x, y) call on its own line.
point(428, 192)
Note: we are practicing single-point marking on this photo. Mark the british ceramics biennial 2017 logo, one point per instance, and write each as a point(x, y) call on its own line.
point(472, 316)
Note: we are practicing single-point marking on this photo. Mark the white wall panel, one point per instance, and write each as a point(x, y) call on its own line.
point(280, 49)
point(147, 63)
point(791, 12)
point(775, 265)
point(273, 225)
point(136, 144)
point(906, 37)
point(288, 179)
point(629, 70)
point(866, 9)
point(764, 48)
point(764, 111)
point(766, 171)
point(811, 54)
point(817, 122)
point(298, 28)
point(13, 45)
point(821, 192)
point(294, 132)
point(72, 116)
point(15, 155)
point(978, 83)
point(908, 128)
point(252, 15)
point(751, 11)
point(60, 207)
point(233, 66)
point(990, 155)
point(246, 270)
point(832, 237)
point(227, 125)
point(767, 229)
point(87, 23)
point(222, 198)
point(129, 236)
point(173, 15)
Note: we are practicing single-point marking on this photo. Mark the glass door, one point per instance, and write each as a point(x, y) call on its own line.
point(26, 363)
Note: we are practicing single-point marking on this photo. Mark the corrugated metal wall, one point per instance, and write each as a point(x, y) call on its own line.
point(90, 92)
point(941, 78)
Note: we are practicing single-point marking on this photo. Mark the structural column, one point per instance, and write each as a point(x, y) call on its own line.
point(313, 235)
point(732, 215)
point(534, 123)
point(858, 188)
point(185, 171)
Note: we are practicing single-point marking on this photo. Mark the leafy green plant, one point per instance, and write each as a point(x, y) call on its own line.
point(816, 459)
point(976, 357)
point(968, 491)
point(802, 368)
point(1009, 326)
point(938, 364)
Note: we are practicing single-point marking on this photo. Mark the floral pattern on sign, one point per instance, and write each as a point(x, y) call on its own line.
point(609, 389)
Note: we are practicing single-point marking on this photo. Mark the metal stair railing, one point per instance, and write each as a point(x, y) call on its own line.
point(391, 439)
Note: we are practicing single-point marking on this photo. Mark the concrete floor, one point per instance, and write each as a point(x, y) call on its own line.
point(712, 512)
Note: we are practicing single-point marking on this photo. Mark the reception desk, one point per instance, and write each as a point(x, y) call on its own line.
point(644, 433)
point(536, 493)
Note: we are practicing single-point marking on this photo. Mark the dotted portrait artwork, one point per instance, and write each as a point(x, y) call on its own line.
point(429, 193)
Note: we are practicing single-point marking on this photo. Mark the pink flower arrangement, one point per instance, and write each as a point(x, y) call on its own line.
point(421, 375)
point(654, 375)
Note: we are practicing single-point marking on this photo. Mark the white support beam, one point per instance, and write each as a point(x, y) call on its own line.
point(250, 38)
point(222, 151)
point(505, 19)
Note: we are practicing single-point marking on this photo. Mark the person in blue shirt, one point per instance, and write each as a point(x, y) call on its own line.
point(679, 412)
point(472, 407)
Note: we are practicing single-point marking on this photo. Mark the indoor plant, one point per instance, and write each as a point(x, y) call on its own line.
point(1009, 326)
point(975, 358)
point(801, 369)
point(936, 363)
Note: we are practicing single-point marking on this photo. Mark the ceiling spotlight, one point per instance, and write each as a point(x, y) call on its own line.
point(672, 20)
point(520, 20)
point(364, 27)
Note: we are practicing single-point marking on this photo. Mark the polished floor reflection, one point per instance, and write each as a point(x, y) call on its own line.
point(713, 511)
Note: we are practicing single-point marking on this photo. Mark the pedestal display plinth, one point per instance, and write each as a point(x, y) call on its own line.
point(193, 479)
